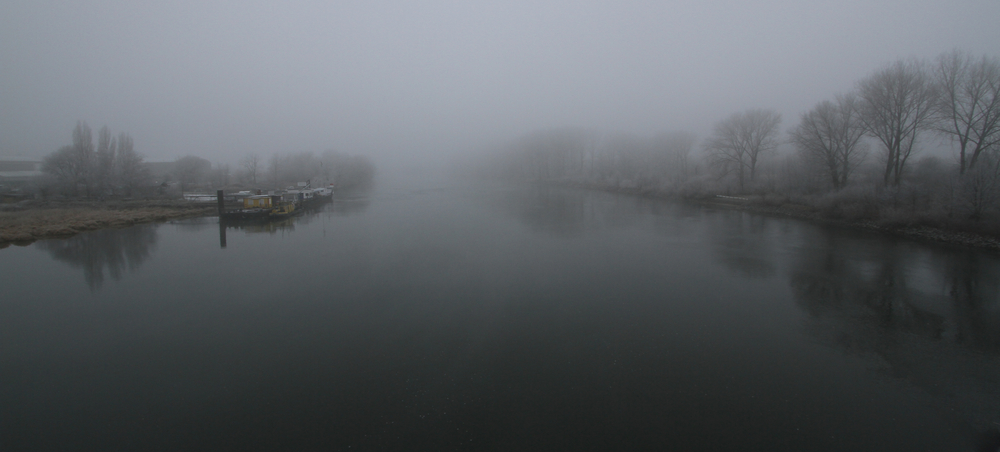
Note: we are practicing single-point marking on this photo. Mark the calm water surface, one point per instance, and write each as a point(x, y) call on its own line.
point(498, 319)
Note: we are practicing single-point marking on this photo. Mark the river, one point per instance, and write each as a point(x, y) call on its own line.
point(498, 318)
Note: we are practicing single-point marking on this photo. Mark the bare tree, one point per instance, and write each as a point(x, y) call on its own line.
point(83, 154)
point(251, 163)
point(131, 172)
point(74, 165)
point(739, 141)
point(64, 166)
point(896, 105)
point(969, 103)
point(114, 164)
point(830, 134)
point(105, 160)
point(980, 185)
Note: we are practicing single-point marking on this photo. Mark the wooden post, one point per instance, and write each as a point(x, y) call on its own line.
point(222, 202)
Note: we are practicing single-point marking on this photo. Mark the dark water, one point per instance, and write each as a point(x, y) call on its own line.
point(498, 319)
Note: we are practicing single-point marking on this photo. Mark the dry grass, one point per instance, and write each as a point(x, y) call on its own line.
point(29, 225)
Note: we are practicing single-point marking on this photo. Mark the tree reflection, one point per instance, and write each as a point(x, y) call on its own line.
point(929, 317)
point(567, 211)
point(114, 251)
point(974, 288)
point(557, 211)
point(840, 276)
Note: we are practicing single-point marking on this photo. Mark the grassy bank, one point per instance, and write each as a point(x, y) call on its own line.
point(925, 228)
point(26, 223)
point(983, 234)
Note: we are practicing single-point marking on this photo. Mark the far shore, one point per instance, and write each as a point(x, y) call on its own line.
point(27, 222)
point(959, 233)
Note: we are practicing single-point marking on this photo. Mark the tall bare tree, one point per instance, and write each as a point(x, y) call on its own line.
point(104, 171)
point(64, 166)
point(830, 134)
point(969, 103)
point(739, 141)
point(74, 165)
point(896, 105)
point(251, 163)
point(83, 154)
point(131, 172)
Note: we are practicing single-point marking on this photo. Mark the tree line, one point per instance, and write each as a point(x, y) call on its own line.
point(859, 147)
point(113, 168)
point(343, 170)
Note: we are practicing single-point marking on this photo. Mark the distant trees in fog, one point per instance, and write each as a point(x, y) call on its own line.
point(739, 141)
point(113, 168)
point(856, 155)
point(330, 167)
point(897, 104)
point(251, 166)
point(968, 104)
point(585, 156)
point(830, 136)
point(190, 170)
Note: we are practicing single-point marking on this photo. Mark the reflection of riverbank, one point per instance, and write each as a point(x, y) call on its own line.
point(566, 211)
point(957, 233)
point(114, 251)
point(929, 318)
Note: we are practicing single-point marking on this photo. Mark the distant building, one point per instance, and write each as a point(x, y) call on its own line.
point(19, 169)
point(160, 170)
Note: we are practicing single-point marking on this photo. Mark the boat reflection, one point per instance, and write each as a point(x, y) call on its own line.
point(304, 215)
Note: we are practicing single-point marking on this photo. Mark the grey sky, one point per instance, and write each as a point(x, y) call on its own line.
point(416, 79)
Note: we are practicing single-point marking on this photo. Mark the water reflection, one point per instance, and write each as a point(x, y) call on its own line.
point(568, 212)
point(194, 224)
point(114, 251)
point(550, 210)
point(894, 287)
point(929, 317)
point(325, 212)
point(347, 206)
point(974, 288)
point(740, 242)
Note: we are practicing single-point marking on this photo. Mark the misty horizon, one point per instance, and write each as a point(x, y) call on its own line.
point(420, 83)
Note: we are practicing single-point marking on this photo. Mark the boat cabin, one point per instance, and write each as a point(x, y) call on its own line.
point(261, 202)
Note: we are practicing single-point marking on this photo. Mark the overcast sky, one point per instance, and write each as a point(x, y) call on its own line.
point(420, 79)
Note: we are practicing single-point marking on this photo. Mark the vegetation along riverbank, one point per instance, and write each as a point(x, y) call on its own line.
point(956, 231)
point(913, 149)
point(27, 222)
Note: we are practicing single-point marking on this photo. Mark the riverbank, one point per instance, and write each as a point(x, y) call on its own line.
point(956, 232)
point(25, 223)
point(913, 230)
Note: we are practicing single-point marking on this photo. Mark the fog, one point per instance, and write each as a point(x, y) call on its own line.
point(417, 82)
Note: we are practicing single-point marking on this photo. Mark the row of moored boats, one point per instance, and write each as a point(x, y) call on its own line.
point(276, 205)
